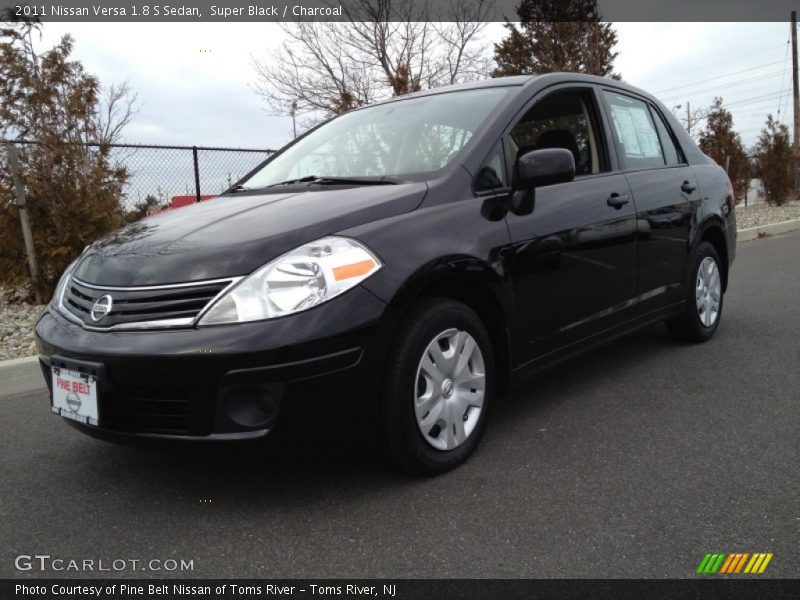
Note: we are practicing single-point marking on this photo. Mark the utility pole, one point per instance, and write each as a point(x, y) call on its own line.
point(294, 123)
point(796, 97)
point(688, 118)
point(27, 236)
point(692, 118)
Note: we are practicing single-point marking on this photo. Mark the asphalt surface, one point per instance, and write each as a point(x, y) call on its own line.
point(633, 461)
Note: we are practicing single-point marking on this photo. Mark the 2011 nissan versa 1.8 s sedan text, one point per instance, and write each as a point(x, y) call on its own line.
point(402, 264)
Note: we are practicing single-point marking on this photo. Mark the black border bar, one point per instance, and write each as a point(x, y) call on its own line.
point(734, 588)
point(108, 11)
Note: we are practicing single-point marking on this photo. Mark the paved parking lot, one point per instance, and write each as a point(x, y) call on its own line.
point(633, 461)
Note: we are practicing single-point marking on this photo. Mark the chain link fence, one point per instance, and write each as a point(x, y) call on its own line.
point(166, 172)
point(159, 175)
point(78, 193)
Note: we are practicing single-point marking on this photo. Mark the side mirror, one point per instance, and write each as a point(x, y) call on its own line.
point(538, 168)
point(543, 167)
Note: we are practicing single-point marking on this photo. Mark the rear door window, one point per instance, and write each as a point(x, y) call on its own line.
point(635, 133)
point(672, 154)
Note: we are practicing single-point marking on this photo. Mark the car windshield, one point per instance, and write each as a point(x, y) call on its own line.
point(415, 135)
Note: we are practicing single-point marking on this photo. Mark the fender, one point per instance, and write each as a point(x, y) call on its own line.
point(469, 269)
point(484, 287)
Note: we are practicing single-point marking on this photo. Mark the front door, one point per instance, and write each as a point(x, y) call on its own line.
point(574, 257)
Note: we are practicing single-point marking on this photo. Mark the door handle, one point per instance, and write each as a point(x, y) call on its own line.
point(688, 187)
point(617, 201)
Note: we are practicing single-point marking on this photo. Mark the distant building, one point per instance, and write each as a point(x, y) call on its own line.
point(755, 192)
point(175, 202)
point(178, 201)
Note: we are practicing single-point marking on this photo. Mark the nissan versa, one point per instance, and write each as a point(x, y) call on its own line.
point(403, 264)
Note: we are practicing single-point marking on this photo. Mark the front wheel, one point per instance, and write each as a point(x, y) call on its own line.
point(439, 384)
point(703, 306)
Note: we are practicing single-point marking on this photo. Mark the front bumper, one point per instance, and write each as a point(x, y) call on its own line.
point(228, 382)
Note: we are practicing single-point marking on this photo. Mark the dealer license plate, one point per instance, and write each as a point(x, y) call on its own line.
point(75, 395)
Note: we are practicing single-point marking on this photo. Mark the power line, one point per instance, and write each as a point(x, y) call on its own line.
point(729, 84)
point(735, 58)
point(721, 62)
point(785, 103)
point(752, 130)
point(744, 100)
point(771, 96)
point(704, 81)
point(757, 100)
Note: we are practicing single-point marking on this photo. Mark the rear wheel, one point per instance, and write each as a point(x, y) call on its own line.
point(439, 384)
point(703, 306)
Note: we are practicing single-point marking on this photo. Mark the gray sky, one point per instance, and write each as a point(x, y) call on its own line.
point(194, 78)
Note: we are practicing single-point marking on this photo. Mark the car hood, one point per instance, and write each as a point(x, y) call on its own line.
point(235, 234)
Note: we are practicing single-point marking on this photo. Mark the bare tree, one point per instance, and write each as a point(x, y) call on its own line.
point(384, 49)
point(462, 59)
point(119, 104)
point(691, 118)
point(312, 72)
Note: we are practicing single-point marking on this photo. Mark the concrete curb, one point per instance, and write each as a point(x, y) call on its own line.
point(21, 376)
point(752, 233)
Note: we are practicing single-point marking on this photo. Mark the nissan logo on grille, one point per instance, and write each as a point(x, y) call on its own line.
point(101, 307)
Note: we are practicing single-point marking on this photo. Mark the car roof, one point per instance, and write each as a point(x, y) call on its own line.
point(542, 80)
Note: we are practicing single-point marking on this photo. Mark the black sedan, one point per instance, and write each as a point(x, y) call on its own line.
point(404, 264)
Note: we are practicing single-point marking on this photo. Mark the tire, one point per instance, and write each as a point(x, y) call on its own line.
point(415, 398)
point(699, 319)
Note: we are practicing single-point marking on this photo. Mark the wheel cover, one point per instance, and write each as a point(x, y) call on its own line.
point(708, 291)
point(450, 387)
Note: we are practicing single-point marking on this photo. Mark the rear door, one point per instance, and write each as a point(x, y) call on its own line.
point(664, 189)
point(574, 257)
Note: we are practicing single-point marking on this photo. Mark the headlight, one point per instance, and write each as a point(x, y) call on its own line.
point(58, 294)
point(296, 281)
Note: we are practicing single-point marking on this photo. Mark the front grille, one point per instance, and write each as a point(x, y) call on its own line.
point(141, 307)
point(145, 409)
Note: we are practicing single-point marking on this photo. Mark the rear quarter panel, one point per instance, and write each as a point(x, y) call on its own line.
point(718, 206)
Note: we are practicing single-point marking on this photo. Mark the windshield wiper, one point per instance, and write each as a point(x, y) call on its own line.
point(354, 181)
point(338, 181)
point(238, 188)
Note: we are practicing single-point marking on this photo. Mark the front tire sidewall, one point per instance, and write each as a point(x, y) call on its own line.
point(405, 443)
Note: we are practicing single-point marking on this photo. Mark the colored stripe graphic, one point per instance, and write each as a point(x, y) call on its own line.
point(736, 560)
point(764, 564)
point(703, 563)
point(730, 565)
point(740, 564)
point(711, 563)
point(734, 563)
point(718, 564)
point(727, 564)
point(755, 562)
